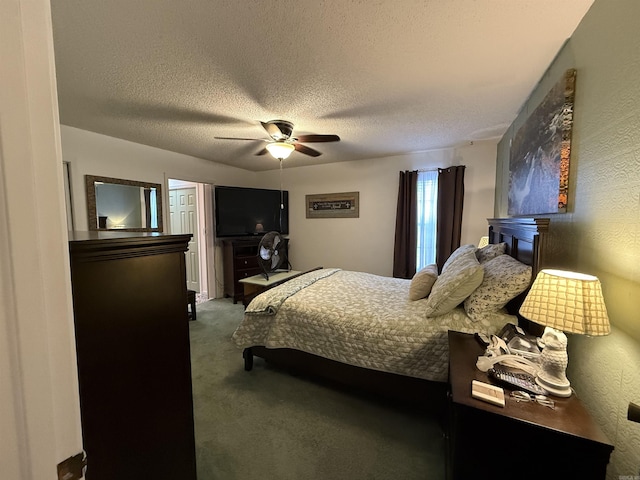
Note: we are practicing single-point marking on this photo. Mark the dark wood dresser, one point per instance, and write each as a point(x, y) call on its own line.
point(240, 260)
point(134, 368)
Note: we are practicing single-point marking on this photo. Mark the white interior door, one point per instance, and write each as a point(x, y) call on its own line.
point(183, 211)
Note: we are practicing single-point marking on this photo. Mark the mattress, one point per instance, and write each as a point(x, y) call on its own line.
point(359, 319)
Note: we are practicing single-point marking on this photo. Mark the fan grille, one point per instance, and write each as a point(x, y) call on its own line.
point(271, 252)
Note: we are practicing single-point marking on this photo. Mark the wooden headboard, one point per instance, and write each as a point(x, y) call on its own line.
point(526, 238)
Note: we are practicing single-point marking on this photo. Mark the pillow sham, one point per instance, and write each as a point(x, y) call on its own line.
point(490, 251)
point(504, 279)
point(422, 282)
point(455, 284)
point(460, 251)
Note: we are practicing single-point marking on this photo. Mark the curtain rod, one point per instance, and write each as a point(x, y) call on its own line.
point(438, 168)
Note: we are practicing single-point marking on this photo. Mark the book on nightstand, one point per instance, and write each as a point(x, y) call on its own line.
point(487, 392)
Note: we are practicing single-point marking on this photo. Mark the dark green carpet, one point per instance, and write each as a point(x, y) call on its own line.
point(268, 424)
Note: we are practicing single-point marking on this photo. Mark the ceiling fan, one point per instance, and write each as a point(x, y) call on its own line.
point(282, 143)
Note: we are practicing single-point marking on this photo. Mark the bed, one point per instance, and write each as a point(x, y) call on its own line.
point(364, 330)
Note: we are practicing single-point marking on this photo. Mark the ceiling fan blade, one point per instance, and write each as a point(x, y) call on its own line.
point(306, 150)
point(239, 138)
point(318, 138)
point(264, 151)
point(272, 129)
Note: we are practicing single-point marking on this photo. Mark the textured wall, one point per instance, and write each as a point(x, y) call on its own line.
point(600, 234)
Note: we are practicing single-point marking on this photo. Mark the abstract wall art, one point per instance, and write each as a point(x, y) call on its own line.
point(540, 153)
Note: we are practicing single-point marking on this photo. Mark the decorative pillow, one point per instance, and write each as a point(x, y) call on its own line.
point(504, 279)
point(454, 284)
point(490, 251)
point(422, 282)
point(457, 253)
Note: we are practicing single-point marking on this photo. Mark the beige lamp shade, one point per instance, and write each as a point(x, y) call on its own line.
point(567, 301)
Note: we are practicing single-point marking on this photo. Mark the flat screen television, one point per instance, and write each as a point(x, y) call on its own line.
point(243, 212)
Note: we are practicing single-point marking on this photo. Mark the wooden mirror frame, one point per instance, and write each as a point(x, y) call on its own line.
point(92, 214)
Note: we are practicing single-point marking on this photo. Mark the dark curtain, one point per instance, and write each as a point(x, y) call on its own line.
point(404, 252)
point(450, 201)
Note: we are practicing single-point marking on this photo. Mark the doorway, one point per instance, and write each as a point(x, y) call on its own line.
point(187, 214)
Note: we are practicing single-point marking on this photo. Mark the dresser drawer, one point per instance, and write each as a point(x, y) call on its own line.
point(248, 261)
point(247, 272)
point(240, 261)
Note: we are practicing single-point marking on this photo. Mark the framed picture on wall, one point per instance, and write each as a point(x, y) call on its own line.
point(333, 205)
point(540, 153)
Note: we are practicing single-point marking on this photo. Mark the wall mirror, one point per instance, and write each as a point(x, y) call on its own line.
point(125, 205)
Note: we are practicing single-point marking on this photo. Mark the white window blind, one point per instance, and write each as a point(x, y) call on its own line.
point(427, 198)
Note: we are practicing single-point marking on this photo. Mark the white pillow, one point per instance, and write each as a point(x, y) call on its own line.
point(504, 278)
point(457, 253)
point(422, 282)
point(454, 284)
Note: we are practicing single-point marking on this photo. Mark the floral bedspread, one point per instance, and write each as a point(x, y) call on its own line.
point(357, 318)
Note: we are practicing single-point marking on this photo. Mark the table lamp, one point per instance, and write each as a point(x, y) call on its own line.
point(563, 301)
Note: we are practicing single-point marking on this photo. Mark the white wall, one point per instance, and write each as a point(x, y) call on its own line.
point(366, 243)
point(90, 153)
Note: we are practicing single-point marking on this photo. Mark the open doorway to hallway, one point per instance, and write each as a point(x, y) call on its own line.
point(188, 214)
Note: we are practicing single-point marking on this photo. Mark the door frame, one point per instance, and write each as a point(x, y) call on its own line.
point(204, 194)
point(40, 414)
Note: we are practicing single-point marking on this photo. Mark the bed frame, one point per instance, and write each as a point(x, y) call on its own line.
point(526, 241)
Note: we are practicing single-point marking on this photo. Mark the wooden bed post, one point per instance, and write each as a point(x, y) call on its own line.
point(247, 354)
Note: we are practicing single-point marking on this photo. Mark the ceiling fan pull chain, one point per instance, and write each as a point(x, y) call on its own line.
point(281, 195)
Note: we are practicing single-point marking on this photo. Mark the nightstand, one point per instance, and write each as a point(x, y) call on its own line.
point(521, 440)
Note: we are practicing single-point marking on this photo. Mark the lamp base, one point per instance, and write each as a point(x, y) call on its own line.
point(559, 390)
point(553, 363)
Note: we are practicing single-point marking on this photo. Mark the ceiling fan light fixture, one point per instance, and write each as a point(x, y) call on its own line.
point(280, 150)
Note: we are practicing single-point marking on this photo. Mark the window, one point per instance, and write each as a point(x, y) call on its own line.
point(427, 198)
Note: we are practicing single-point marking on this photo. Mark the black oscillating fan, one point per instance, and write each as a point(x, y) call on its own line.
point(272, 253)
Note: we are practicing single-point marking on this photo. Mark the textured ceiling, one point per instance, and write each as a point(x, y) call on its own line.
point(387, 76)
